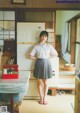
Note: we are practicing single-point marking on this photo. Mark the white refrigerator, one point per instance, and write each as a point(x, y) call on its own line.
point(27, 37)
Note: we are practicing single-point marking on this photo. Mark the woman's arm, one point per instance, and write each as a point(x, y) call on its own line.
point(32, 54)
point(32, 57)
point(53, 51)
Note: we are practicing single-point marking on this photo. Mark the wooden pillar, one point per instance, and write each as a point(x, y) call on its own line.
point(73, 39)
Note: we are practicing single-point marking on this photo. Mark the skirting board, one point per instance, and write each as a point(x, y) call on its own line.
point(31, 98)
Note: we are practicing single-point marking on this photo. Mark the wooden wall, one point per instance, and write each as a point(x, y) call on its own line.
point(50, 4)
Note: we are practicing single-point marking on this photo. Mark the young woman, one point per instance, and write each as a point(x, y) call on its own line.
point(42, 69)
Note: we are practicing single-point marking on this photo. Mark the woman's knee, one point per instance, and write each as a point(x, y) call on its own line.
point(45, 82)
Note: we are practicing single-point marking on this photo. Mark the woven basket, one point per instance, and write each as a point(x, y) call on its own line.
point(69, 68)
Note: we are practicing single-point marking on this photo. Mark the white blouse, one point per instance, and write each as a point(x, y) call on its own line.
point(43, 51)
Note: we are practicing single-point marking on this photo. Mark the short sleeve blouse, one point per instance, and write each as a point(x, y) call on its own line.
point(43, 51)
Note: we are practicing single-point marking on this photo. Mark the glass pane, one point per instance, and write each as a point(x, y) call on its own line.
point(9, 30)
point(1, 34)
point(1, 15)
point(1, 45)
point(9, 25)
point(6, 34)
point(68, 38)
point(1, 30)
point(1, 25)
point(9, 15)
point(12, 34)
point(51, 37)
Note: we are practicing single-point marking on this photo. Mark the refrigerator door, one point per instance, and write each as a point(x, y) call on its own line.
point(27, 37)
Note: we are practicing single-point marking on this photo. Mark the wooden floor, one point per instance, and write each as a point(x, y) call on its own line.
point(56, 104)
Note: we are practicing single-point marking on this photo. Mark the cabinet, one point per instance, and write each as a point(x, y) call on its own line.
point(77, 95)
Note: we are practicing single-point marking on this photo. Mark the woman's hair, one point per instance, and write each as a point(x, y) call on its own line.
point(43, 33)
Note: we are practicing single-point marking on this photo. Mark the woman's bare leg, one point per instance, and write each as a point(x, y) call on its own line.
point(45, 90)
point(41, 89)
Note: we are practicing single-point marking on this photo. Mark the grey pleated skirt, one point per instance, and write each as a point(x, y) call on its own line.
point(42, 69)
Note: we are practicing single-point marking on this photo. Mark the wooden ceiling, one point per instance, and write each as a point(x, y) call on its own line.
point(39, 4)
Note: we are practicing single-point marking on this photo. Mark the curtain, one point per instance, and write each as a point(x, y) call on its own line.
point(65, 39)
point(77, 65)
point(78, 31)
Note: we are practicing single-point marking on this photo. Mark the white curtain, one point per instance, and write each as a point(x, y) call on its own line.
point(77, 65)
point(65, 38)
point(78, 31)
point(78, 59)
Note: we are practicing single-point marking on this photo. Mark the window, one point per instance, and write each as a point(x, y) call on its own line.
point(69, 37)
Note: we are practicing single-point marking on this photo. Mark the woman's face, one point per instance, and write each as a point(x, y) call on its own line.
point(43, 38)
